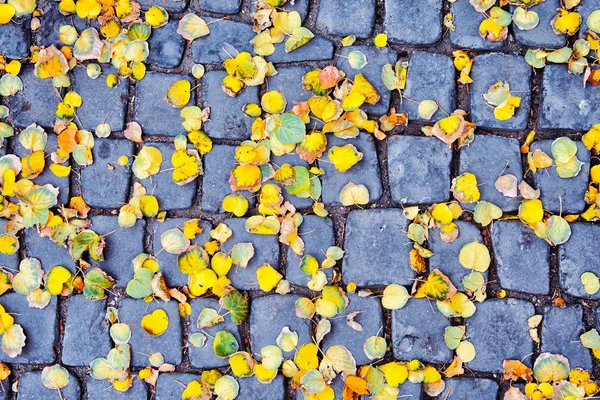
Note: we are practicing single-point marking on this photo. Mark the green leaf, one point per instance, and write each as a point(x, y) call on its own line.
point(29, 276)
point(13, 340)
point(242, 253)
point(590, 339)
point(299, 37)
point(55, 377)
point(357, 59)
point(551, 368)
point(120, 333)
point(174, 241)
point(225, 344)
point(236, 303)
point(96, 281)
point(558, 230)
point(375, 347)
point(287, 128)
point(10, 84)
point(141, 284)
point(453, 335)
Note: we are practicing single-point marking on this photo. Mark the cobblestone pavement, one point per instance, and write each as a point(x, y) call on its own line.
point(406, 169)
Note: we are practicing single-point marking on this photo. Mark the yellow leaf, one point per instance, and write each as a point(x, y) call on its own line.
point(306, 357)
point(268, 277)
point(60, 170)
point(273, 102)
point(344, 157)
point(8, 244)
point(506, 110)
point(156, 323)
point(7, 11)
point(380, 40)
point(442, 214)
point(352, 194)
point(436, 287)
point(179, 93)
point(566, 22)
point(245, 177)
point(465, 188)
point(591, 139)
point(51, 63)
point(531, 211)
point(475, 256)
point(156, 16)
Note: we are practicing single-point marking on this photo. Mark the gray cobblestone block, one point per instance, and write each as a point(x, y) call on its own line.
point(169, 344)
point(371, 320)
point(51, 21)
point(318, 235)
point(467, 21)
point(319, 48)
point(561, 328)
point(221, 7)
point(412, 338)
point(522, 259)
point(86, 332)
point(489, 69)
point(365, 172)
point(585, 8)
point(223, 34)
point(418, 169)
point(36, 103)
point(577, 256)
point(558, 194)
point(31, 388)
point(430, 77)
point(215, 182)
point(101, 103)
point(170, 195)
point(377, 248)
point(487, 158)
point(269, 315)
point(579, 112)
point(171, 386)
point(463, 389)
point(122, 245)
point(376, 59)
point(166, 46)
point(15, 38)
point(47, 176)
point(542, 36)
point(266, 251)
point(289, 81)
point(152, 111)
point(499, 332)
point(12, 260)
point(40, 327)
point(204, 357)
point(295, 160)
point(169, 5)
point(410, 22)
point(168, 262)
point(342, 18)
point(301, 6)
point(47, 252)
point(104, 390)
point(445, 255)
point(227, 121)
point(106, 152)
point(251, 388)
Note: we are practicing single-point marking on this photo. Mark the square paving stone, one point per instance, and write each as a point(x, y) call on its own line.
point(222, 7)
point(579, 255)
point(86, 332)
point(542, 36)
point(50, 23)
point(251, 388)
point(377, 248)
point(464, 389)
point(204, 357)
point(215, 182)
point(169, 344)
point(418, 169)
point(166, 46)
point(169, 5)
point(101, 103)
point(319, 48)
point(31, 388)
point(318, 235)
point(15, 38)
point(170, 195)
point(561, 328)
point(566, 104)
point(40, 327)
point(36, 103)
point(47, 176)
point(168, 262)
point(104, 390)
point(413, 22)
point(566, 194)
point(295, 160)
point(488, 157)
point(413, 338)
point(365, 172)
point(499, 332)
point(341, 18)
point(269, 315)
point(289, 82)
point(376, 58)
point(226, 121)
point(122, 245)
point(47, 252)
point(266, 251)
point(172, 385)
point(152, 111)
point(488, 69)
point(467, 21)
point(445, 255)
point(522, 259)
point(95, 178)
point(430, 77)
point(9, 260)
point(211, 49)
point(371, 320)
